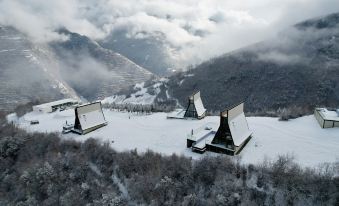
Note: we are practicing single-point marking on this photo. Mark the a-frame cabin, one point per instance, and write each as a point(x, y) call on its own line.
point(195, 108)
point(88, 117)
point(233, 132)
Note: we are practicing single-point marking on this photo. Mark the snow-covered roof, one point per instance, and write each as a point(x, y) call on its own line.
point(198, 104)
point(55, 103)
point(177, 114)
point(239, 129)
point(200, 132)
point(199, 107)
point(328, 115)
point(238, 124)
point(90, 115)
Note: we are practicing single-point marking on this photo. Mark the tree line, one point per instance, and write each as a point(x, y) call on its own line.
point(139, 108)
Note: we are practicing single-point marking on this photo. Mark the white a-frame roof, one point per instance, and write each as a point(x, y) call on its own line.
point(198, 104)
point(238, 124)
point(90, 115)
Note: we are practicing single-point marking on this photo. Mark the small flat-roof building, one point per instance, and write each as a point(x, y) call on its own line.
point(88, 118)
point(199, 137)
point(53, 106)
point(327, 118)
point(195, 108)
point(230, 138)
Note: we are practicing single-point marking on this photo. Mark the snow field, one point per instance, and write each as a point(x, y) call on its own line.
point(303, 138)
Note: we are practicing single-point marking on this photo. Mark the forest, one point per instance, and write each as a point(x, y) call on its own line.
point(44, 169)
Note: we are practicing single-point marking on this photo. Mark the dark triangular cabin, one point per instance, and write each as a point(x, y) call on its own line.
point(88, 117)
point(195, 108)
point(233, 132)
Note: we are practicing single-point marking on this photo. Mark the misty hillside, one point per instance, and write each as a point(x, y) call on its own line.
point(299, 68)
point(77, 67)
point(28, 71)
point(95, 72)
point(148, 52)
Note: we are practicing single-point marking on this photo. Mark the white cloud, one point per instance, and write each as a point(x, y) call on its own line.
point(142, 22)
point(40, 18)
point(197, 29)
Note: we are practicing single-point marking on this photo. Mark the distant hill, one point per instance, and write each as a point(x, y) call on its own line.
point(95, 72)
point(28, 71)
point(149, 52)
point(298, 68)
point(77, 67)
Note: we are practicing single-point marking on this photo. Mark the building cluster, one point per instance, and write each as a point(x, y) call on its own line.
point(229, 137)
point(56, 105)
point(88, 117)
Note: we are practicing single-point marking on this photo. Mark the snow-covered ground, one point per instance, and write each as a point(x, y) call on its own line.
point(302, 137)
point(141, 96)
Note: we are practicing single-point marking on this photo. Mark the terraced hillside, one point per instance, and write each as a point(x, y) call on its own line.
point(77, 67)
point(95, 72)
point(150, 53)
point(27, 71)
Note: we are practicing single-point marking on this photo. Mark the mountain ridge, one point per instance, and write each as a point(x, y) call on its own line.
point(299, 68)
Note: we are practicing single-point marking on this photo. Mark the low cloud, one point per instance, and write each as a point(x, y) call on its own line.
point(281, 58)
point(196, 30)
point(39, 19)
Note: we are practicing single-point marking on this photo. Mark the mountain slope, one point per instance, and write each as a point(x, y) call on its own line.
point(28, 71)
point(149, 52)
point(31, 71)
point(300, 68)
point(93, 71)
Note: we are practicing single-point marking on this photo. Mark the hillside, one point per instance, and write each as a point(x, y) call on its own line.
point(43, 72)
point(28, 71)
point(149, 52)
point(298, 68)
point(93, 71)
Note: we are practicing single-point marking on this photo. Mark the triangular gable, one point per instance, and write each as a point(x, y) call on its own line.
point(221, 136)
point(195, 106)
point(77, 122)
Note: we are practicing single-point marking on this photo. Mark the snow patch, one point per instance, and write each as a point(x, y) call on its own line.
point(141, 96)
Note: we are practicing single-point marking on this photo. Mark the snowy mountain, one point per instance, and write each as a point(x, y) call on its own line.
point(298, 68)
point(32, 71)
point(28, 71)
point(153, 92)
point(150, 52)
point(95, 72)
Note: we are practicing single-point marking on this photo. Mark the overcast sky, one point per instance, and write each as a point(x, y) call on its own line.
point(201, 29)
